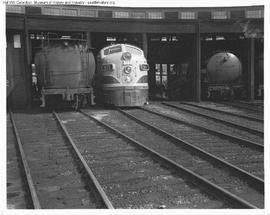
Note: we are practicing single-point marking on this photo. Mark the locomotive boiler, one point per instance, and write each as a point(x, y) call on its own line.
point(122, 76)
point(65, 69)
point(224, 74)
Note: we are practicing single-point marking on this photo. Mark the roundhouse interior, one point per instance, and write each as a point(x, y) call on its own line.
point(177, 43)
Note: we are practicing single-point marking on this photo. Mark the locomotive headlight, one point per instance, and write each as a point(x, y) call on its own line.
point(144, 67)
point(127, 70)
point(126, 56)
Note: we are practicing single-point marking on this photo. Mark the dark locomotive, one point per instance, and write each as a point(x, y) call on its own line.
point(65, 70)
point(222, 78)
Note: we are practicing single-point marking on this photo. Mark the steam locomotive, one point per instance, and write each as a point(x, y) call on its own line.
point(65, 69)
point(224, 77)
point(121, 78)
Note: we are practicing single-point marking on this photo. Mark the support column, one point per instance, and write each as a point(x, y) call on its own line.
point(89, 44)
point(197, 65)
point(145, 44)
point(89, 39)
point(28, 69)
point(251, 71)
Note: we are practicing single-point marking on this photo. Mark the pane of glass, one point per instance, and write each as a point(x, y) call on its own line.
point(112, 50)
point(157, 69)
point(121, 14)
point(164, 69)
point(164, 81)
point(157, 79)
point(154, 15)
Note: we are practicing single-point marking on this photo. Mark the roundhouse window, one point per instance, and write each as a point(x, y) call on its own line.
point(154, 15)
point(254, 14)
point(88, 13)
point(121, 14)
point(187, 15)
point(138, 15)
point(15, 9)
point(219, 15)
point(70, 12)
point(51, 11)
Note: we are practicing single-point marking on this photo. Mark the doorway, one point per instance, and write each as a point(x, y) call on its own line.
point(17, 80)
point(170, 60)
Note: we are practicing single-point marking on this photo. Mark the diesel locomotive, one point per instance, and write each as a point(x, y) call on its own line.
point(224, 77)
point(121, 78)
point(65, 69)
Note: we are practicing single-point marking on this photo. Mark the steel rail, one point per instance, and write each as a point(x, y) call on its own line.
point(219, 192)
point(241, 106)
point(179, 141)
point(225, 112)
point(251, 130)
point(100, 190)
point(258, 104)
point(242, 141)
point(30, 183)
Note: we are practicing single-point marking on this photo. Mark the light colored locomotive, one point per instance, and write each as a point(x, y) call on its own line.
point(65, 69)
point(224, 72)
point(122, 76)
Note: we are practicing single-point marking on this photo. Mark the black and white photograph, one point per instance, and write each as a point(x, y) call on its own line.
point(145, 107)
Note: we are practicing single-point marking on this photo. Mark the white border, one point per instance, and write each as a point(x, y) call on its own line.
point(140, 3)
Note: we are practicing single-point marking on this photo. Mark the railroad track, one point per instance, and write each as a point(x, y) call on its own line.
point(255, 103)
point(134, 176)
point(16, 189)
point(128, 173)
point(208, 125)
point(222, 146)
point(237, 122)
point(55, 174)
point(228, 111)
point(245, 106)
point(217, 172)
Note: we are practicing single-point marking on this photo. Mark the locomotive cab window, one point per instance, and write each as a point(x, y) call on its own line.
point(111, 50)
point(133, 50)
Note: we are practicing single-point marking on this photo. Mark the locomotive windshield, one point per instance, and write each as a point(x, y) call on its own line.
point(112, 50)
point(133, 50)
